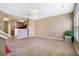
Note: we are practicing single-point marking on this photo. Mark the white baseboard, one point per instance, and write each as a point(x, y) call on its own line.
point(49, 37)
point(22, 37)
point(40, 36)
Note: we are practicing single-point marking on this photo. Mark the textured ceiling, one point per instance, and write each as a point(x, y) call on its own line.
point(36, 10)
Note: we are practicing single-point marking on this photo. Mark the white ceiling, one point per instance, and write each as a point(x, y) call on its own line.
point(37, 10)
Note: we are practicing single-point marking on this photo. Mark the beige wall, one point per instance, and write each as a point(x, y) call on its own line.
point(1, 23)
point(53, 26)
point(3, 26)
point(31, 27)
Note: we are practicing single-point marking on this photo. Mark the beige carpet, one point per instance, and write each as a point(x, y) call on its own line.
point(77, 45)
point(2, 46)
point(39, 46)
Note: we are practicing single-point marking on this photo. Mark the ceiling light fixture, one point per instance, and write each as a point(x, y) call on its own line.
point(62, 6)
point(6, 19)
point(34, 11)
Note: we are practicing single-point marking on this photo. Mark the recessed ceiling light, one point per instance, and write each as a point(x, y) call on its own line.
point(62, 6)
point(6, 19)
point(34, 11)
point(20, 20)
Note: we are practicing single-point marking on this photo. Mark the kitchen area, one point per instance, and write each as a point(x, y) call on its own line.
point(16, 28)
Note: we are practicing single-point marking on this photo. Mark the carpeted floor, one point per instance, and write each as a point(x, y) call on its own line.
point(40, 46)
point(77, 46)
point(2, 46)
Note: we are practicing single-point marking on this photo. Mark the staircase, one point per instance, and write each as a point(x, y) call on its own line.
point(4, 35)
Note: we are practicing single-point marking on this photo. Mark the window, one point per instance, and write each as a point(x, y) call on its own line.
point(76, 26)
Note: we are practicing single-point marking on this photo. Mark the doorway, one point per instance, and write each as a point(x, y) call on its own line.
point(5, 26)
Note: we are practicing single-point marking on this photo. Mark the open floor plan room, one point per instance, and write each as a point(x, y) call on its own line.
point(39, 29)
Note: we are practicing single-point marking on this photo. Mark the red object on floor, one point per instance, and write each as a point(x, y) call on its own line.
point(8, 50)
